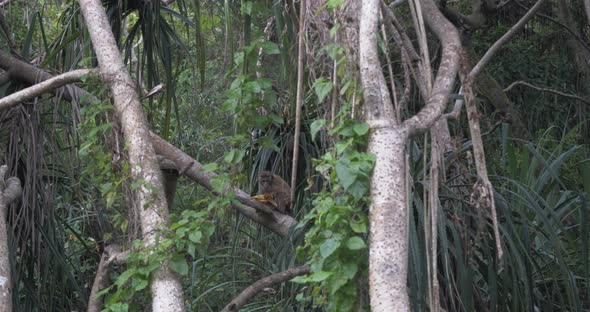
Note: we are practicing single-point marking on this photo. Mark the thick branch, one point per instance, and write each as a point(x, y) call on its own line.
point(447, 70)
point(280, 224)
point(238, 302)
point(40, 88)
point(277, 222)
point(28, 73)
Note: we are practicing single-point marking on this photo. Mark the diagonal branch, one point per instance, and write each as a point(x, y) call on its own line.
point(277, 222)
point(238, 302)
point(17, 69)
point(503, 40)
point(43, 87)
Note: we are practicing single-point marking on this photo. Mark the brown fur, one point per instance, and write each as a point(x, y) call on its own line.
point(280, 190)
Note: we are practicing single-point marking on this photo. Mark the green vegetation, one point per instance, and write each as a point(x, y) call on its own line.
point(229, 70)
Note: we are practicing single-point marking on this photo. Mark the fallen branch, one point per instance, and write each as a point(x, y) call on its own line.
point(238, 302)
point(43, 87)
point(526, 84)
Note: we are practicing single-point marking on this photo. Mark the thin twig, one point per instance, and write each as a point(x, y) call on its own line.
point(299, 100)
point(560, 24)
point(526, 84)
point(503, 40)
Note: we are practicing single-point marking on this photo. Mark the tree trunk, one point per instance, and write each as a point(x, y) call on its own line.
point(9, 191)
point(388, 254)
point(166, 287)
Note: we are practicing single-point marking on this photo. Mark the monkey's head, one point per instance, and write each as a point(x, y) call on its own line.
point(265, 180)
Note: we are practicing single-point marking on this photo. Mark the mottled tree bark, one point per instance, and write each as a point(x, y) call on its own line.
point(166, 286)
point(10, 190)
point(388, 253)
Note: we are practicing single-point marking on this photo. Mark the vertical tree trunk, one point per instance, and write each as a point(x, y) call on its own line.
point(388, 254)
point(166, 288)
point(9, 191)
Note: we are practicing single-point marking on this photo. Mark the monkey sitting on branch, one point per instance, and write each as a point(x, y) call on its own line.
point(273, 190)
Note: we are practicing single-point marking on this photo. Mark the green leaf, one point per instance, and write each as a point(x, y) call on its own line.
point(124, 277)
point(344, 173)
point(266, 141)
point(358, 226)
point(276, 119)
point(322, 88)
point(361, 129)
point(119, 307)
point(358, 189)
point(328, 247)
point(218, 183)
point(139, 284)
point(229, 156)
point(210, 167)
point(315, 127)
point(191, 250)
point(195, 237)
point(104, 291)
point(253, 87)
point(270, 47)
point(318, 276)
point(247, 8)
point(349, 270)
point(179, 265)
point(355, 243)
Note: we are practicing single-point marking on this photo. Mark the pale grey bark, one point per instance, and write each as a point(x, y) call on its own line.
point(388, 254)
point(21, 71)
point(166, 287)
point(43, 87)
point(10, 190)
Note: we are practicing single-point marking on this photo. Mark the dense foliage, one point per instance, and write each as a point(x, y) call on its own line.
point(229, 71)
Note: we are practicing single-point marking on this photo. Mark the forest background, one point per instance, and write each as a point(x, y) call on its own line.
point(357, 104)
